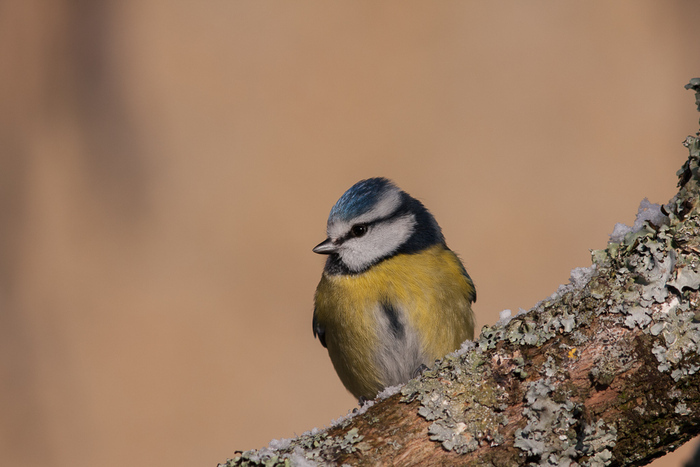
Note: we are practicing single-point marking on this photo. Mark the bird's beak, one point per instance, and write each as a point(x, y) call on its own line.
point(326, 247)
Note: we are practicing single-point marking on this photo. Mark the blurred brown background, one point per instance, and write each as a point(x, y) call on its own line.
point(167, 166)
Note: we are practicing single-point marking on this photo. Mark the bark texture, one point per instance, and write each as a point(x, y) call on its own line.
point(604, 372)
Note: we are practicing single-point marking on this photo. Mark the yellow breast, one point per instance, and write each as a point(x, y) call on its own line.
point(429, 290)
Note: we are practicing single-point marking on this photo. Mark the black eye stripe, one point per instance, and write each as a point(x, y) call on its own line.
point(402, 210)
point(353, 233)
point(369, 225)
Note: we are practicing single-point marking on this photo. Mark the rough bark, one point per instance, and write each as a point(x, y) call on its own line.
point(604, 372)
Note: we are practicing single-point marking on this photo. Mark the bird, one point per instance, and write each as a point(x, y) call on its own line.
point(393, 298)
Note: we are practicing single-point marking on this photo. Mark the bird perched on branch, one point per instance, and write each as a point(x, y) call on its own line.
point(393, 297)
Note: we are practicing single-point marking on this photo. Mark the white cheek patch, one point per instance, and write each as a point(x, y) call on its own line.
point(382, 239)
point(389, 203)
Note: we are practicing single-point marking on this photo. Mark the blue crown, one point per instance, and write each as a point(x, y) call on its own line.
point(360, 198)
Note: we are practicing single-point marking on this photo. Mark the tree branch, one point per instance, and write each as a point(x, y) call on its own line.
point(604, 372)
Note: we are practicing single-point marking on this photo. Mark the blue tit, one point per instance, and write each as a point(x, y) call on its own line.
point(392, 298)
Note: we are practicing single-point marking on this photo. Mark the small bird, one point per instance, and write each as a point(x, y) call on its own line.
point(393, 297)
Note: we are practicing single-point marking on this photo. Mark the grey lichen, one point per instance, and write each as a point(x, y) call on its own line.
point(555, 433)
point(680, 337)
point(694, 84)
point(442, 396)
point(533, 328)
point(549, 435)
point(309, 449)
point(659, 273)
point(682, 409)
point(686, 278)
point(638, 316)
point(597, 441)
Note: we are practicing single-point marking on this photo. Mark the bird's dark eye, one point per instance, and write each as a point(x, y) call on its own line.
point(358, 230)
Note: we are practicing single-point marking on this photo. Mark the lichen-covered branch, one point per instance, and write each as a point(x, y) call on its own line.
point(604, 372)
